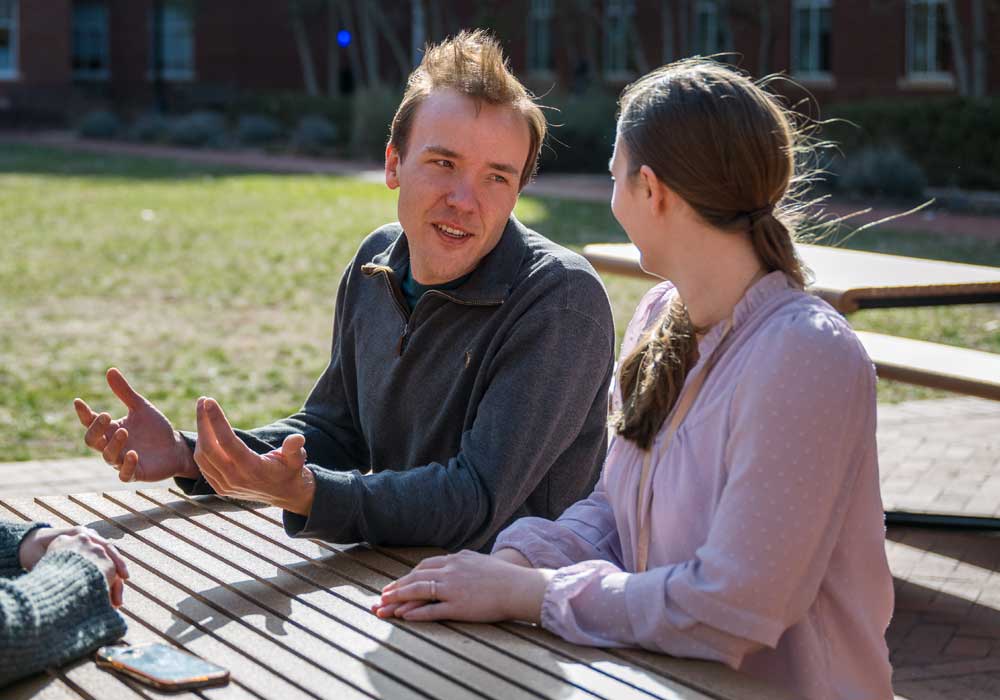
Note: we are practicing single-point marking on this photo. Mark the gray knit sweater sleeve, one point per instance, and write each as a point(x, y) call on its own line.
point(58, 611)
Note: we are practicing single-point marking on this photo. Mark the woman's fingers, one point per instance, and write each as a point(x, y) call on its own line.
point(417, 590)
point(404, 608)
point(437, 611)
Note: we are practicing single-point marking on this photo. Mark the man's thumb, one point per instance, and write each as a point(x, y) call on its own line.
point(293, 451)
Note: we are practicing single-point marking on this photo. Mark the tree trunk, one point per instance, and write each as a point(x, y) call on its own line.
point(638, 52)
point(418, 31)
point(667, 30)
point(305, 51)
point(332, 48)
point(979, 49)
point(366, 20)
point(685, 24)
point(957, 48)
point(764, 48)
point(392, 38)
point(352, 51)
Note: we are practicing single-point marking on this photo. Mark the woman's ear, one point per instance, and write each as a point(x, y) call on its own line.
point(653, 189)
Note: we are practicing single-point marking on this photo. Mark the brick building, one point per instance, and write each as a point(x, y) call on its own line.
point(60, 56)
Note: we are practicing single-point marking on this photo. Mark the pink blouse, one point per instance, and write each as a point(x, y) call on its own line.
point(768, 539)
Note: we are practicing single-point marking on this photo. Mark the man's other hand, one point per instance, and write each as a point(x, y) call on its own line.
point(142, 445)
point(279, 477)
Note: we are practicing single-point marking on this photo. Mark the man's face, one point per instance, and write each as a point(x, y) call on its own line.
point(458, 182)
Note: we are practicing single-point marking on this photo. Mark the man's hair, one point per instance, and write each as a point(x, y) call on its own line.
point(472, 64)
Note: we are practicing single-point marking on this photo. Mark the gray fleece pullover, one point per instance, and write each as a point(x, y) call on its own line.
point(483, 404)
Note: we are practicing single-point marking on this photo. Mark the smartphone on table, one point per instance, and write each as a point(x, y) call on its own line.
point(161, 666)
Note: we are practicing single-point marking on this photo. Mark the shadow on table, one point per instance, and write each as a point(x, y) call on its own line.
point(546, 680)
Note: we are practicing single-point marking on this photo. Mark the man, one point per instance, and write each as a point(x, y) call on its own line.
point(471, 357)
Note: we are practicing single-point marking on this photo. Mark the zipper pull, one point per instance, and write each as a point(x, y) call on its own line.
point(402, 341)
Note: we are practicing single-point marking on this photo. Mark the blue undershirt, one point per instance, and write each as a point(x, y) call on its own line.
point(413, 290)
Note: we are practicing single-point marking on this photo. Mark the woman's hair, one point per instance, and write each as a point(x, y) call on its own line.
point(471, 63)
point(730, 151)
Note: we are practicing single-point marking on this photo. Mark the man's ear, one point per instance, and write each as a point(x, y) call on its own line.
point(391, 167)
point(653, 190)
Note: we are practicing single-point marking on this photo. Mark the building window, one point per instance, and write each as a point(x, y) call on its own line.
point(617, 18)
point(811, 38)
point(173, 34)
point(90, 40)
point(928, 45)
point(539, 36)
point(8, 38)
point(709, 28)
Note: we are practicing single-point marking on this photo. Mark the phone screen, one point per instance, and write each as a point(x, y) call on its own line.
point(161, 665)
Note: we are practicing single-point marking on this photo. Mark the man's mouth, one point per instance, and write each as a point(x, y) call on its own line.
point(451, 232)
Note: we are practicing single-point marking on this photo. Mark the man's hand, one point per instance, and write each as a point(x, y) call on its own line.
point(37, 543)
point(279, 477)
point(142, 446)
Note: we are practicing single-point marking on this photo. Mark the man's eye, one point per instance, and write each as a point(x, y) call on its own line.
point(443, 163)
point(499, 178)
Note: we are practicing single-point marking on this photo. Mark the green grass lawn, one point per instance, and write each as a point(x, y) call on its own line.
point(198, 280)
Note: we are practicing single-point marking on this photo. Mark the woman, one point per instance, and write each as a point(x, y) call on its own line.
point(738, 515)
point(58, 591)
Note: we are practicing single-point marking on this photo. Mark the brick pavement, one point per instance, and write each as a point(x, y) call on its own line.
point(937, 456)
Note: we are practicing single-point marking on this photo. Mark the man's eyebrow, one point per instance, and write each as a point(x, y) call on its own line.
point(448, 153)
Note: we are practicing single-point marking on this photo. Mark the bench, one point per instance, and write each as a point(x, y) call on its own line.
point(933, 365)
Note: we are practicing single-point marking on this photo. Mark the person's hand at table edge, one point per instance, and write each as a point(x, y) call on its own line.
point(466, 586)
point(143, 445)
point(85, 542)
point(279, 477)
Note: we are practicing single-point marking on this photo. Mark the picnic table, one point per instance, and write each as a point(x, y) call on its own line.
point(850, 280)
point(290, 618)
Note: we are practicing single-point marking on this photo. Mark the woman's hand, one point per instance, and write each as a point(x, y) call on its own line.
point(84, 542)
point(466, 586)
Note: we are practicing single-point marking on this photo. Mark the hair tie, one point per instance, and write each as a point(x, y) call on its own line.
point(759, 214)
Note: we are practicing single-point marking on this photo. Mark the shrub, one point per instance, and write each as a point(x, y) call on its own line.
point(289, 108)
point(258, 130)
point(372, 112)
point(198, 129)
point(581, 134)
point(879, 172)
point(955, 140)
point(100, 124)
point(149, 127)
point(315, 134)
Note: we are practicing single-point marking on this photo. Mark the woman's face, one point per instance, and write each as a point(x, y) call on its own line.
point(630, 203)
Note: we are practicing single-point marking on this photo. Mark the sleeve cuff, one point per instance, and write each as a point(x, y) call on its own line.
point(11, 536)
point(333, 513)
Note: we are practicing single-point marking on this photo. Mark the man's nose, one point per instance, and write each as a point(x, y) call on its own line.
point(462, 196)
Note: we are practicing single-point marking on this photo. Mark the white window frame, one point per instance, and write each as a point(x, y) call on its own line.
point(706, 9)
point(617, 20)
point(104, 73)
point(913, 75)
point(173, 74)
point(812, 73)
point(540, 16)
point(14, 25)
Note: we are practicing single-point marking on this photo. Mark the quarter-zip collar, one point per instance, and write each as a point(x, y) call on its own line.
point(489, 283)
